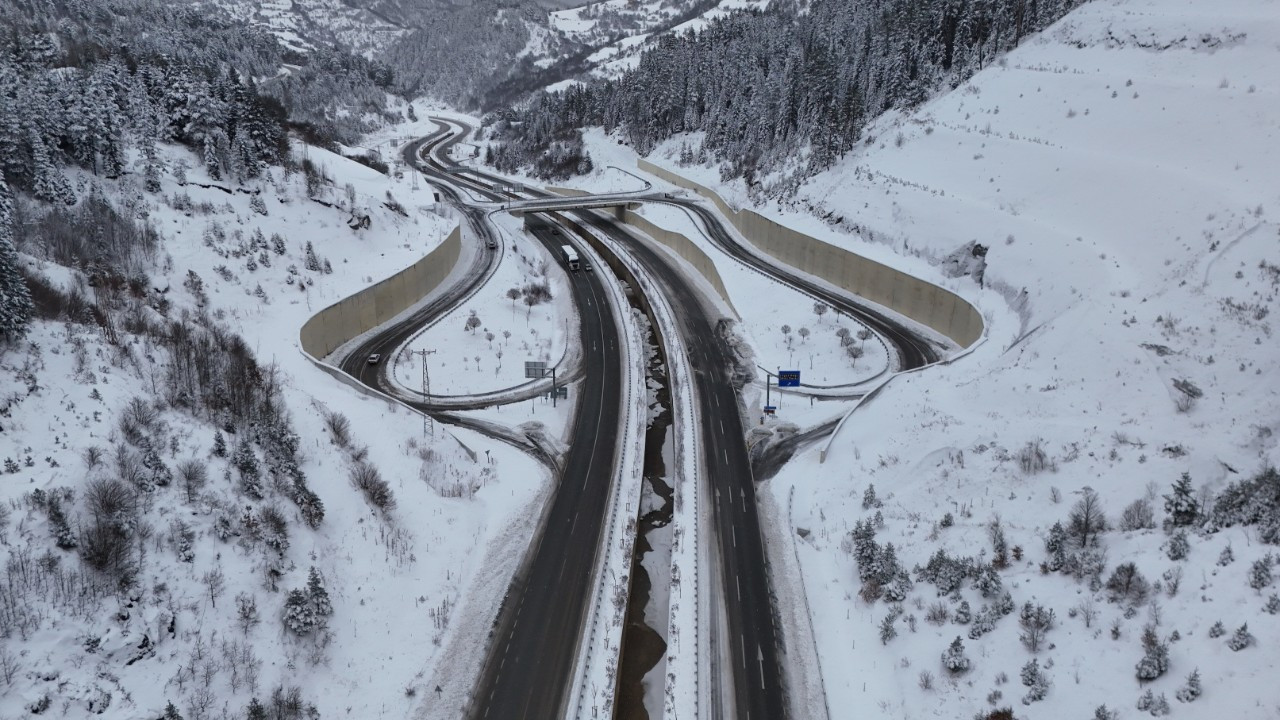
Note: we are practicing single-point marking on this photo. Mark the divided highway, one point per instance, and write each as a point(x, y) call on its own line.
point(534, 639)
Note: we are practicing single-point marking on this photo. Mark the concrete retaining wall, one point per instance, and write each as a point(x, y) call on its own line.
point(369, 308)
point(922, 301)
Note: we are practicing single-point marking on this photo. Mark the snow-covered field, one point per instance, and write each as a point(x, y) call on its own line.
point(403, 583)
point(469, 357)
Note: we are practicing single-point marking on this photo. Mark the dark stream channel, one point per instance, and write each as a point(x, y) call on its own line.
point(643, 647)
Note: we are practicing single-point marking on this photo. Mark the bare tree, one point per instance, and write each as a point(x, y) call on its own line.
point(1087, 521)
point(215, 582)
point(194, 475)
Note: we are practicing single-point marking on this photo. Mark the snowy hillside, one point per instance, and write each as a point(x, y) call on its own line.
point(115, 470)
point(1122, 170)
point(301, 24)
point(620, 30)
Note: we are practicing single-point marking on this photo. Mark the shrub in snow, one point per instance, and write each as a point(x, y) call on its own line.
point(963, 614)
point(1032, 458)
point(1160, 706)
point(1102, 713)
point(1190, 691)
point(954, 659)
point(368, 480)
point(1218, 630)
point(1273, 604)
point(1180, 505)
point(1146, 700)
point(1138, 515)
point(937, 614)
point(983, 623)
point(1036, 622)
point(986, 580)
point(945, 572)
point(1179, 546)
point(1255, 501)
point(887, 630)
point(947, 520)
point(1034, 678)
point(1226, 557)
point(1127, 584)
point(1241, 639)
point(1260, 572)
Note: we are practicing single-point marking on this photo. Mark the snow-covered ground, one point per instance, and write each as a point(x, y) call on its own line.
point(403, 584)
point(491, 355)
point(1128, 194)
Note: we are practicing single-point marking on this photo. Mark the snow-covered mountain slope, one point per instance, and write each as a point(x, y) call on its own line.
point(301, 24)
point(1122, 169)
point(210, 621)
point(620, 30)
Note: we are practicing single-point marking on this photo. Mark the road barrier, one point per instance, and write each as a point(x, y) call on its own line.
point(357, 314)
point(920, 300)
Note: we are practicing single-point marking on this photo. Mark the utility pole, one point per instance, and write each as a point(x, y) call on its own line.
point(426, 388)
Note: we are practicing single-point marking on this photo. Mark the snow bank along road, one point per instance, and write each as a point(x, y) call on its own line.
point(534, 639)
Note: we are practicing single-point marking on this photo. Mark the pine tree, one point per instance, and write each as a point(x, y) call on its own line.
point(317, 594)
point(1181, 504)
point(299, 616)
point(312, 262)
point(255, 710)
point(250, 474)
point(954, 659)
point(1055, 546)
point(1037, 682)
point(171, 712)
point(1260, 573)
point(219, 444)
point(1241, 639)
point(277, 244)
point(15, 297)
point(1191, 690)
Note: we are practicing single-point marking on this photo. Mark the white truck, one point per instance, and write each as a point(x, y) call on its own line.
point(570, 257)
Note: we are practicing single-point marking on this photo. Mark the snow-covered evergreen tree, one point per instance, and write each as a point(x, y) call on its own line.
point(1189, 692)
point(1241, 638)
point(954, 659)
point(1260, 572)
point(15, 297)
point(1181, 505)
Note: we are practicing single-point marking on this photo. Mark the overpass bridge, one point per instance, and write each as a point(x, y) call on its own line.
point(620, 203)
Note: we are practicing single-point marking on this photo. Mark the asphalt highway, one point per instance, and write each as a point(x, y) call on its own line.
point(534, 639)
point(751, 643)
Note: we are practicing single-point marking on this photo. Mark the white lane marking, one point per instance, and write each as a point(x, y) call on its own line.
point(738, 582)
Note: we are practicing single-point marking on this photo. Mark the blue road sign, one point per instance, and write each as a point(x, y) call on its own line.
point(769, 409)
point(788, 378)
